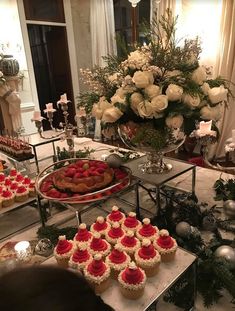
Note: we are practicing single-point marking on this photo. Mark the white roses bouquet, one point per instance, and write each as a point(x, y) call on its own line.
point(159, 87)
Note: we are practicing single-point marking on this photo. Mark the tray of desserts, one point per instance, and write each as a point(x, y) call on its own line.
point(81, 181)
point(16, 148)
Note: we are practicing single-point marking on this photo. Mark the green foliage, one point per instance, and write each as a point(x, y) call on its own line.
point(52, 233)
point(87, 100)
point(224, 189)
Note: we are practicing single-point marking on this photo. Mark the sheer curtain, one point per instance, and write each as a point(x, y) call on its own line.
point(102, 30)
point(161, 6)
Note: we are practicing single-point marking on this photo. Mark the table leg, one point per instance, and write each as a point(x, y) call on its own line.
point(158, 201)
point(42, 216)
point(53, 146)
point(36, 158)
point(193, 180)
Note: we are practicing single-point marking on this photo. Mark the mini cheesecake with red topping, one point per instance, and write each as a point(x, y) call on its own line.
point(116, 216)
point(131, 223)
point(117, 261)
point(14, 187)
point(32, 190)
point(82, 235)
point(147, 231)
point(132, 281)
point(2, 178)
point(7, 183)
point(13, 174)
point(19, 178)
point(26, 182)
point(21, 194)
point(80, 257)
point(114, 233)
point(129, 243)
point(166, 246)
point(63, 251)
point(99, 246)
point(97, 274)
point(148, 258)
point(8, 198)
point(101, 226)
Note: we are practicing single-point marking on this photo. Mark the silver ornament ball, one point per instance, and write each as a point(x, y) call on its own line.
point(226, 252)
point(114, 160)
point(183, 229)
point(229, 208)
point(44, 247)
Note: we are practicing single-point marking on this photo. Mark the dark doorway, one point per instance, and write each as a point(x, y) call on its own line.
point(51, 64)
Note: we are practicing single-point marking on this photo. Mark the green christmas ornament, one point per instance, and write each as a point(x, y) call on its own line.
point(183, 229)
point(114, 160)
point(226, 252)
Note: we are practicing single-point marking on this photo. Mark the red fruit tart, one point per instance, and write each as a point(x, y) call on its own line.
point(99, 246)
point(80, 258)
point(115, 216)
point(2, 178)
point(100, 226)
point(26, 182)
point(147, 231)
point(63, 251)
point(114, 233)
point(97, 274)
point(132, 281)
point(131, 222)
point(84, 176)
point(129, 243)
point(117, 261)
point(83, 235)
point(8, 198)
point(21, 194)
point(32, 190)
point(148, 258)
point(13, 174)
point(166, 246)
point(7, 183)
point(19, 178)
point(14, 187)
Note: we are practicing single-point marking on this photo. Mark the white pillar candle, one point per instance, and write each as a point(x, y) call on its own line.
point(205, 127)
point(36, 115)
point(49, 106)
point(23, 251)
point(233, 136)
point(63, 97)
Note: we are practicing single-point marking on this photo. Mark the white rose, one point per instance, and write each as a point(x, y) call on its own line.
point(103, 103)
point(137, 59)
point(199, 75)
point(205, 88)
point(211, 113)
point(174, 122)
point(145, 109)
point(111, 115)
point(121, 92)
point(174, 92)
point(136, 98)
point(217, 94)
point(191, 101)
point(99, 108)
point(159, 103)
point(142, 79)
point(117, 99)
point(96, 112)
point(152, 91)
point(113, 77)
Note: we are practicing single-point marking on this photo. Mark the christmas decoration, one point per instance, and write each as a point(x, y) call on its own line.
point(226, 252)
point(183, 229)
point(114, 160)
point(229, 208)
point(44, 247)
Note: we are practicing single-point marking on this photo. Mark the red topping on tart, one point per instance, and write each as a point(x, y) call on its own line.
point(147, 229)
point(8, 182)
point(98, 244)
point(32, 185)
point(2, 177)
point(131, 221)
point(97, 267)
point(13, 172)
point(63, 245)
point(147, 252)
point(117, 256)
point(26, 181)
point(116, 231)
point(115, 215)
point(81, 256)
point(6, 194)
point(83, 235)
point(132, 274)
point(14, 186)
point(129, 240)
point(21, 189)
point(165, 241)
point(100, 224)
point(19, 177)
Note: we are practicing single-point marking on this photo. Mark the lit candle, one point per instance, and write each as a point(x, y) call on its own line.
point(63, 98)
point(233, 136)
point(49, 107)
point(205, 127)
point(23, 251)
point(36, 116)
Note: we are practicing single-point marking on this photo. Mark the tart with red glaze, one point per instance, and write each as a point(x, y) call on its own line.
point(63, 251)
point(13, 174)
point(117, 261)
point(147, 231)
point(97, 274)
point(101, 226)
point(80, 258)
point(26, 182)
point(131, 222)
point(165, 245)
point(115, 216)
point(99, 246)
point(132, 281)
point(8, 198)
point(148, 258)
point(21, 194)
point(31, 188)
point(14, 187)
point(2, 178)
point(82, 235)
point(129, 243)
point(19, 178)
point(84, 176)
point(114, 233)
point(7, 183)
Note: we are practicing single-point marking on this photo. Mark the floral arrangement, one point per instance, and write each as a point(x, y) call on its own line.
point(156, 89)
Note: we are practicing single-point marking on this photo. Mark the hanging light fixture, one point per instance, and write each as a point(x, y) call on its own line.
point(134, 2)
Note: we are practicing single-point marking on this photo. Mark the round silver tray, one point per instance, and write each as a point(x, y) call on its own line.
point(116, 186)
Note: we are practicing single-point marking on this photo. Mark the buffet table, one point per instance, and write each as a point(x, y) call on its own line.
point(168, 274)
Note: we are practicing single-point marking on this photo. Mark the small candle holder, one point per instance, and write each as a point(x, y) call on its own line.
point(23, 251)
point(50, 111)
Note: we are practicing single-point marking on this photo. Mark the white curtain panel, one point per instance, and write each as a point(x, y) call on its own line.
point(102, 30)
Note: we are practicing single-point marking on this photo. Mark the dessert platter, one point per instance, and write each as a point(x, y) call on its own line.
point(81, 181)
point(16, 148)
